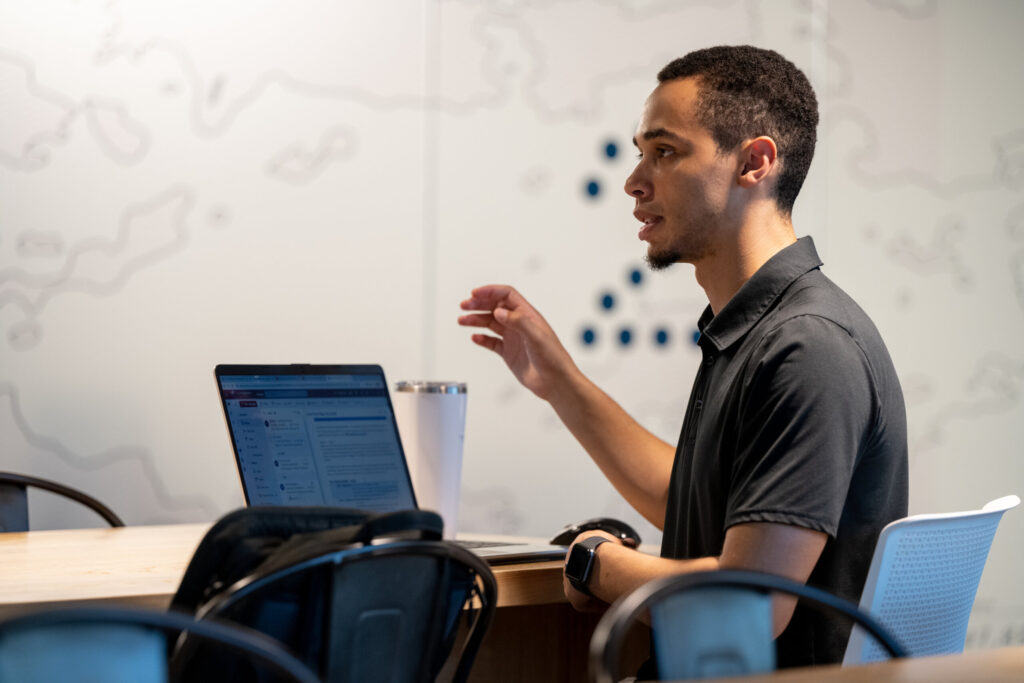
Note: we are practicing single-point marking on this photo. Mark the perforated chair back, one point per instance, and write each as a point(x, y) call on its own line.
point(711, 624)
point(923, 578)
point(121, 645)
point(14, 500)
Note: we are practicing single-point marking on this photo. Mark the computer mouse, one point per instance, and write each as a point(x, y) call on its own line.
point(615, 527)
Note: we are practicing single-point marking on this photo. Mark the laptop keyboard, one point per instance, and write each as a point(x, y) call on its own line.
point(475, 545)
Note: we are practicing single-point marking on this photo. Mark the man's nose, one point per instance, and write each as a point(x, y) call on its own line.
point(637, 185)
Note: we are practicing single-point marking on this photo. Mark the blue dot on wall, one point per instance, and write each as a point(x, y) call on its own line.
point(607, 301)
point(625, 336)
point(589, 336)
point(696, 337)
point(593, 188)
point(611, 150)
point(661, 336)
point(636, 277)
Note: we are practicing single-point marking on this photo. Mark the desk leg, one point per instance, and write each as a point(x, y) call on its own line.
point(544, 643)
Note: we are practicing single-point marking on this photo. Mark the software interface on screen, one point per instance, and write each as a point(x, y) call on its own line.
point(317, 440)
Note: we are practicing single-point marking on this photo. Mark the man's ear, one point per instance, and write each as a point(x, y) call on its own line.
point(758, 157)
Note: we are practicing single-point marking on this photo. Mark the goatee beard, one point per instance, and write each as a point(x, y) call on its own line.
point(661, 260)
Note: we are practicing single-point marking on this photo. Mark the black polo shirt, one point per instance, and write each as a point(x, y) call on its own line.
point(796, 417)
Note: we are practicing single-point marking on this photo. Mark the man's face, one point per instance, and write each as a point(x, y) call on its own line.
point(682, 184)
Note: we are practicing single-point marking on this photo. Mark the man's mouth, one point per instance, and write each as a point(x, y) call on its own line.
point(650, 222)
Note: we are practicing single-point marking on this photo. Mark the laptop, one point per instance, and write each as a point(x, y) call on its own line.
point(326, 435)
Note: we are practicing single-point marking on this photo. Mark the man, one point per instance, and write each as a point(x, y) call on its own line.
point(792, 455)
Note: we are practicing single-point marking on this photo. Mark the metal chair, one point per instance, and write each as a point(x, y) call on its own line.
point(354, 603)
point(122, 645)
point(923, 578)
point(14, 500)
point(711, 624)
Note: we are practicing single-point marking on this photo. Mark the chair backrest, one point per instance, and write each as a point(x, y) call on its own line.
point(923, 577)
point(385, 611)
point(115, 645)
point(711, 624)
point(14, 500)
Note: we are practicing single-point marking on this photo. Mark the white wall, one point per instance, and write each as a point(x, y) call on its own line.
point(189, 183)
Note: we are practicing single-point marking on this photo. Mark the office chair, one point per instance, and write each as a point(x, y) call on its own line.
point(122, 645)
point(711, 624)
point(358, 602)
point(14, 500)
point(923, 577)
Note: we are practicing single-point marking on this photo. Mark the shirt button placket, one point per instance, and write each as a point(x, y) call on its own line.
point(698, 403)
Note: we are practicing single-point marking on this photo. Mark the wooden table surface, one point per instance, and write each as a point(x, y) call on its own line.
point(139, 565)
point(1003, 665)
point(143, 565)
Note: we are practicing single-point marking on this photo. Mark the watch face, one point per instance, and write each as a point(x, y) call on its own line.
point(577, 567)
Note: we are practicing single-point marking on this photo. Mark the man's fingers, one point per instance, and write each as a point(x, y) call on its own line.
point(500, 308)
point(488, 342)
point(482, 320)
point(518, 320)
point(492, 292)
point(476, 320)
point(486, 298)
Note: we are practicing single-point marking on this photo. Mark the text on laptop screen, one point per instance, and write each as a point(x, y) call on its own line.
point(317, 440)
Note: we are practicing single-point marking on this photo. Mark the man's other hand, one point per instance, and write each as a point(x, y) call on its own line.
point(525, 341)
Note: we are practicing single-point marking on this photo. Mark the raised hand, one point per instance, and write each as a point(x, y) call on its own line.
point(524, 340)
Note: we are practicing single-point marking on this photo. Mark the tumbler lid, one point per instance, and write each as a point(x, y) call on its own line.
point(423, 387)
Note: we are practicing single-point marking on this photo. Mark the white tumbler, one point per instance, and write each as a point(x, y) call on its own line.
point(431, 419)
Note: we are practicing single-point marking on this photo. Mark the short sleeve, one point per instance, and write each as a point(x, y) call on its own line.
point(806, 408)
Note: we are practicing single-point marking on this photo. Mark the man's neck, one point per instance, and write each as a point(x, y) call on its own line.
point(739, 254)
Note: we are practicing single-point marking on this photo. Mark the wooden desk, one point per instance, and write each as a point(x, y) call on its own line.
point(143, 565)
point(536, 635)
point(136, 565)
point(1004, 665)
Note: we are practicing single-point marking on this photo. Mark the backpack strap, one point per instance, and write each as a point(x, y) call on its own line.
point(404, 524)
point(242, 539)
point(421, 525)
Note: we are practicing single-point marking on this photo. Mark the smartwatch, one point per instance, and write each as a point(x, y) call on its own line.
point(580, 563)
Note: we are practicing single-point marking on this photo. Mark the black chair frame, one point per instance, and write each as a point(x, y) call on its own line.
point(605, 645)
point(14, 500)
point(232, 636)
point(482, 598)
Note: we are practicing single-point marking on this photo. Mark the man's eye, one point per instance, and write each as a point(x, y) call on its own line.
point(658, 152)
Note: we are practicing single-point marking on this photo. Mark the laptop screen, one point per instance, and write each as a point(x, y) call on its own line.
point(315, 435)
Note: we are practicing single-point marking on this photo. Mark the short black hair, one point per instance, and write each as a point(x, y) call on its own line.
point(746, 92)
